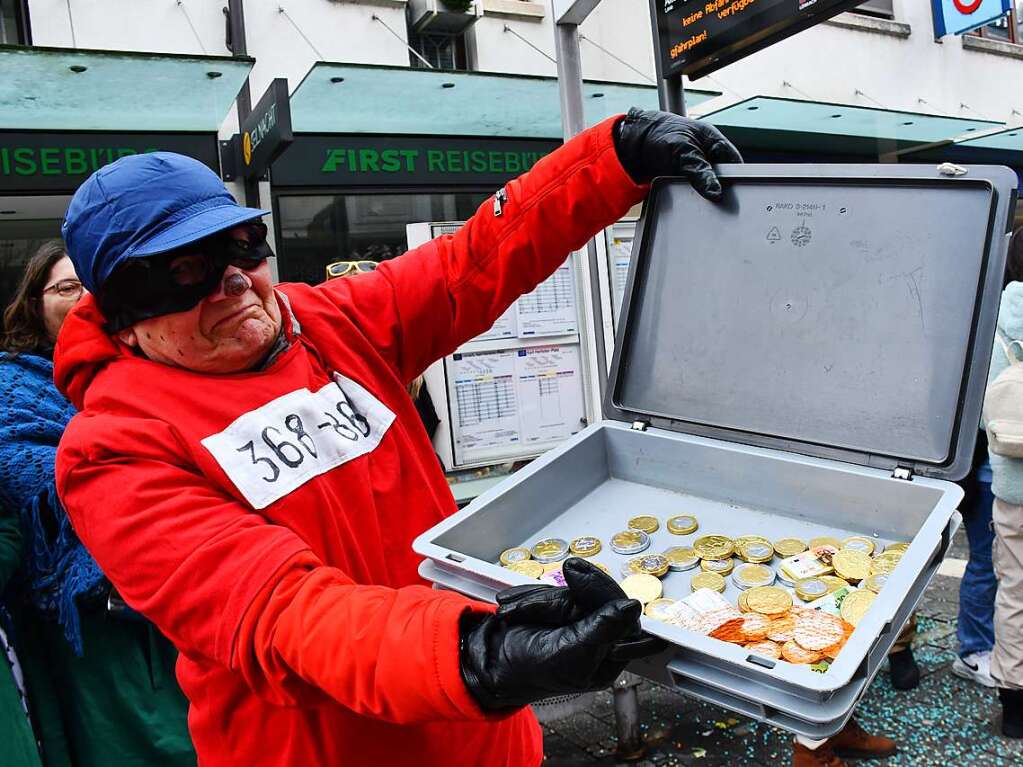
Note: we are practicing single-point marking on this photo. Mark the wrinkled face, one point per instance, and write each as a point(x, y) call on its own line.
point(60, 294)
point(229, 331)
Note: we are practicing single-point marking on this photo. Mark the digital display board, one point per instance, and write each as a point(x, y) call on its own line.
point(700, 36)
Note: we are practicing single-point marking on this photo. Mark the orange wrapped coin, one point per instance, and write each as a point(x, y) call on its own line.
point(793, 653)
point(782, 629)
point(832, 651)
point(766, 648)
point(816, 630)
point(754, 626)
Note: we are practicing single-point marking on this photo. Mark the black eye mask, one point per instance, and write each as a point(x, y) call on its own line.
point(147, 287)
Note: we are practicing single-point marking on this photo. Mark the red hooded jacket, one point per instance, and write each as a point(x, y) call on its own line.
point(264, 520)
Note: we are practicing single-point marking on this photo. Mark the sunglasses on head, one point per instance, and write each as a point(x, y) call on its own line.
point(178, 280)
point(346, 268)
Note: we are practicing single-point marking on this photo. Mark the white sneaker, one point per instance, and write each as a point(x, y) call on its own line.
point(976, 666)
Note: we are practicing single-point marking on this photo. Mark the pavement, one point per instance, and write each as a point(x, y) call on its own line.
point(945, 721)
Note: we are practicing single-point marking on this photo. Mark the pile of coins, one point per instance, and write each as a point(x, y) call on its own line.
point(798, 601)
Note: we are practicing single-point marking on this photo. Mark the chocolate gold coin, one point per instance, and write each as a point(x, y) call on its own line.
point(885, 564)
point(825, 540)
point(856, 604)
point(683, 524)
point(896, 547)
point(748, 576)
point(653, 564)
point(529, 567)
point(859, 543)
point(658, 609)
point(789, 547)
point(743, 606)
point(681, 558)
point(835, 583)
point(645, 523)
point(549, 550)
point(630, 542)
point(644, 588)
point(586, 546)
point(811, 589)
point(851, 564)
point(713, 547)
point(711, 581)
point(551, 567)
point(516, 554)
point(769, 600)
point(875, 583)
point(721, 566)
point(742, 540)
point(756, 552)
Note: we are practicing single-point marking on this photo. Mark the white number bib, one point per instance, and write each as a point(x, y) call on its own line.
point(270, 451)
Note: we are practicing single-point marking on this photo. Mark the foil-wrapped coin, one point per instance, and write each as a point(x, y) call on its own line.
point(529, 567)
point(784, 578)
point(875, 582)
point(789, 547)
point(645, 588)
point(811, 589)
point(756, 552)
point(720, 566)
point(859, 543)
point(549, 550)
point(793, 653)
point(885, 564)
point(658, 609)
point(713, 547)
point(856, 604)
point(896, 547)
point(742, 540)
point(748, 576)
point(630, 542)
point(851, 564)
point(683, 524)
point(551, 567)
point(769, 600)
point(711, 581)
point(516, 554)
point(835, 583)
point(825, 540)
point(681, 558)
point(653, 564)
point(645, 523)
point(742, 604)
point(585, 546)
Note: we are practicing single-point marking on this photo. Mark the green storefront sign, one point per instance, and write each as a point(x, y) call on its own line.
point(32, 162)
point(339, 160)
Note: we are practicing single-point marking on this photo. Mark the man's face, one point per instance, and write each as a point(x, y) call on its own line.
point(229, 331)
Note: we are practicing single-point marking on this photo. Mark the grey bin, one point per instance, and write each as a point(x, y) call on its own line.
point(806, 359)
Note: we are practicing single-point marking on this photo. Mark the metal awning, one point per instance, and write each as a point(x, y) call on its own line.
point(65, 89)
point(357, 98)
point(815, 125)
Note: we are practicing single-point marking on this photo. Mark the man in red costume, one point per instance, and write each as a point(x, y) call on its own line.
point(249, 471)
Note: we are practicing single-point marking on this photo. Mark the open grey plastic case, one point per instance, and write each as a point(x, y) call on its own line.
point(806, 358)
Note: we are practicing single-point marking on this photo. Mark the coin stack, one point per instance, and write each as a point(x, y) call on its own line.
point(797, 600)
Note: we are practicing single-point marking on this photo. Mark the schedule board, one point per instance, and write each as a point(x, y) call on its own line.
point(700, 36)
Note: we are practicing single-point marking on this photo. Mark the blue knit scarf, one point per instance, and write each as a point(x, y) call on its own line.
point(58, 574)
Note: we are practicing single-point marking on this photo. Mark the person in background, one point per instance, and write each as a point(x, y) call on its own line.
point(99, 679)
point(1007, 515)
point(975, 626)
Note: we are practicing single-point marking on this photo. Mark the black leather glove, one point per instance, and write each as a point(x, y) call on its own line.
point(651, 144)
point(546, 640)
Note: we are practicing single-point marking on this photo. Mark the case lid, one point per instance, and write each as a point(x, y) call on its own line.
point(840, 311)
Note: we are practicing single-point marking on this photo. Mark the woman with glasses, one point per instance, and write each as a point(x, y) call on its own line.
point(99, 680)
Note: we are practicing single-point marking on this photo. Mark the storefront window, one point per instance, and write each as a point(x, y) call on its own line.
point(316, 230)
point(1007, 28)
point(19, 239)
point(12, 26)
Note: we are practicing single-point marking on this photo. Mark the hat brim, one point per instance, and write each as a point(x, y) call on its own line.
point(195, 227)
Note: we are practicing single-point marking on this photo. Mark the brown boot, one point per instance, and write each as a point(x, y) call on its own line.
point(822, 756)
point(853, 743)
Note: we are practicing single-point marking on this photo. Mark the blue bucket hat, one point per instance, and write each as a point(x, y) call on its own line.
point(142, 205)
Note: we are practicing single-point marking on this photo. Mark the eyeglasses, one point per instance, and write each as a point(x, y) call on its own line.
point(66, 289)
point(345, 268)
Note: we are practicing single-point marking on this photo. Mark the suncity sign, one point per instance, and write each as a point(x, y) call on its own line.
point(954, 17)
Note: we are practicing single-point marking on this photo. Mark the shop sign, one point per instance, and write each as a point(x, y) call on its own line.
point(266, 132)
point(697, 37)
point(954, 17)
point(361, 160)
point(47, 161)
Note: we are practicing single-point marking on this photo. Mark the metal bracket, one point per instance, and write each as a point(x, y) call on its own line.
point(640, 425)
point(951, 169)
point(901, 472)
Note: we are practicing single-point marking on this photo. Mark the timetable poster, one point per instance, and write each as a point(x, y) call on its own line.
point(550, 392)
point(621, 259)
point(550, 309)
point(486, 412)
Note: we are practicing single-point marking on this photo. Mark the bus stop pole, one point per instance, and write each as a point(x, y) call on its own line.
point(670, 93)
point(569, 14)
